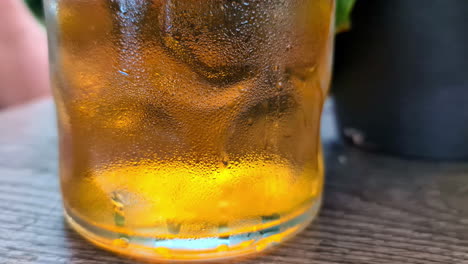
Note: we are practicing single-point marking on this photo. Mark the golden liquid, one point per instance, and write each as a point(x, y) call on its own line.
point(190, 119)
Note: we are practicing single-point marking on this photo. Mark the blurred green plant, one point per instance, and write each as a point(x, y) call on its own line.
point(36, 8)
point(343, 12)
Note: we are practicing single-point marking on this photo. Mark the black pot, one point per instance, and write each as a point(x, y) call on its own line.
point(401, 78)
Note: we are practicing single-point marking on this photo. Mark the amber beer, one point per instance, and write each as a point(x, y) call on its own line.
point(189, 129)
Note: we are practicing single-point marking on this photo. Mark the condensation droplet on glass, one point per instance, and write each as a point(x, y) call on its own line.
point(121, 242)
point(123, 73)
point(270, 218)
point(117, 201)
point(279, 85)
point(123, 8)
point(311, 69)
point(173, 227)
point(222, 248)
point(224, 159)
point(119, 217)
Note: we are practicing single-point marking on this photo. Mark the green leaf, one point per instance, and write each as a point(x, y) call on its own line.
point(343, 12)
point(36, 7)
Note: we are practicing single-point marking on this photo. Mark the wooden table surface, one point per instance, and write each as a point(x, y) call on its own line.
point(377, 209)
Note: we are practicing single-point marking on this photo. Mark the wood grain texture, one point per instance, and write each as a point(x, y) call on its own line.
point(377, 209)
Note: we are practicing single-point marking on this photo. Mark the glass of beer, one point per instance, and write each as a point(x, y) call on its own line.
point(189, 129)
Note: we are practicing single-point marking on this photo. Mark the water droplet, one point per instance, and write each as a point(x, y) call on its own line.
point(270, 231)
point(241, 88)
point(269, 218)
point(224, 159)
point(123, 72)
point(311, 69)
point(222, 228)
point(173, 227)
point(121, 242)
point(253, 236)
point(119, 219)
point(279, 85)
point(123, 8)
point(222, 248)
point(116, 199)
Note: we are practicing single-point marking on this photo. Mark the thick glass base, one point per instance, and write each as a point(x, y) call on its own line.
point(205, 248)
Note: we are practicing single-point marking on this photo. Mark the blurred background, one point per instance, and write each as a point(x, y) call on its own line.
point(401, 78)
point(23, 53)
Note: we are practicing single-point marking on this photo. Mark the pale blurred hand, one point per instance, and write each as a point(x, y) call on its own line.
point(23, 55)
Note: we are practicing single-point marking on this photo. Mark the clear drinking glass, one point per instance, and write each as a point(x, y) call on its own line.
point(189, 129)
